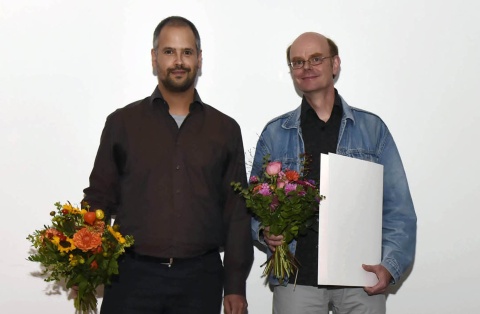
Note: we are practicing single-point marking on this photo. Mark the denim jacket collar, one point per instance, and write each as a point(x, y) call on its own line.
point(292, 119)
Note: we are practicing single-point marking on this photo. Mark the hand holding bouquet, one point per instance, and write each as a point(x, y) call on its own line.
point(287, 204)
point(80, 248)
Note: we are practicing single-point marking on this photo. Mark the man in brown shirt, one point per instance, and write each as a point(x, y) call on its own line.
point(164, 168)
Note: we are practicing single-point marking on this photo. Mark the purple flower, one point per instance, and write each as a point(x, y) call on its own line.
point(253, 179)
point(289, 187)
point(264, 189)
point(274, 204)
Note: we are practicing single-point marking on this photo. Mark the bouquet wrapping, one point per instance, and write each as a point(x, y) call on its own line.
point(80, 248)
point(286, 203)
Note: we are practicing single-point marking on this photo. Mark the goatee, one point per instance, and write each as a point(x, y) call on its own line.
point(179, 87)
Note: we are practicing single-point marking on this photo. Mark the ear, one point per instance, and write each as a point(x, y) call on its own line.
point(336, 65)
point(200, 59)
point(154, 61)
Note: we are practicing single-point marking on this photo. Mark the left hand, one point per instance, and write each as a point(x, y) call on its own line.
point(234, 304)
point(74, 291)
point(383, 276)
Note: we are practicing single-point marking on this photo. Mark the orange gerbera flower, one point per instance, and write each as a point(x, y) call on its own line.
point(86, 240)
point(292, 175)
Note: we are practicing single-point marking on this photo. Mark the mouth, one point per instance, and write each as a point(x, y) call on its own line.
point(309, 77)
point(179, 71)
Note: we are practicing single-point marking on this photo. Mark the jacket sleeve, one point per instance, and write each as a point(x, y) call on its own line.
point(260, 151)
point(399, 218)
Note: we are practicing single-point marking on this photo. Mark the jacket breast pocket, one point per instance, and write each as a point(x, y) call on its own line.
point(361, 154)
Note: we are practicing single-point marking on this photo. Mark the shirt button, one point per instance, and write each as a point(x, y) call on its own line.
point(178, 167)
point(177, 191)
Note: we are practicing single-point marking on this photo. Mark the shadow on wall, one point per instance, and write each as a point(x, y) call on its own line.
point(57, 287)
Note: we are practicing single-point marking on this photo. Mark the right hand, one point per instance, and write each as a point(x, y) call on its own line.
point(272, 240)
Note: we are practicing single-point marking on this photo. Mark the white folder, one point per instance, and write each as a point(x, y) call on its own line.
point(350, 220)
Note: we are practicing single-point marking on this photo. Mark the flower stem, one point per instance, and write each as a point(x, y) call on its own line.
point(281, 265)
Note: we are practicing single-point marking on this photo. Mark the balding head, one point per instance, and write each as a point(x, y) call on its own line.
point(312, 38)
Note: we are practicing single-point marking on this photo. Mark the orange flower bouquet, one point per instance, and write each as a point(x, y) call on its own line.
point(81, 248)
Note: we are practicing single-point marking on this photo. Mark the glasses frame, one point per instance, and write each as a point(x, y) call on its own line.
point(312, 63)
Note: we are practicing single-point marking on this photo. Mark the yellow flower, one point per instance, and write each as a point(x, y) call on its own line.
point(68, 207)
point(117, 235)
point(71, 209)
point(66, 246)
point(56, 240)
point(76, 210)
point(73, 260)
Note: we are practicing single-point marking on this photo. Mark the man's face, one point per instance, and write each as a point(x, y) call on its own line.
point(313, 78)
point(176, 60)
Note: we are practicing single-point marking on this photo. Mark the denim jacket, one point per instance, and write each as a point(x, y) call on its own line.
point(365, 136)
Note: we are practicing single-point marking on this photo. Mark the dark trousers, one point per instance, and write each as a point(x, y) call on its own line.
point(145, 286)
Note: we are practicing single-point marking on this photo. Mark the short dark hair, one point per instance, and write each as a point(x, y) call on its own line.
point(176, 21)
point(331, 45)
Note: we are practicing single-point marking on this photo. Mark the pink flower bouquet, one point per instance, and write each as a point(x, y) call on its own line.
point(287, 204)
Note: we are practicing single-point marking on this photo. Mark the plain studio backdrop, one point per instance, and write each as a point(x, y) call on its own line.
point(65, 65)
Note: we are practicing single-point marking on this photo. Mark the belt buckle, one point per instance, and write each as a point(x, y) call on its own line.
point(169, 264)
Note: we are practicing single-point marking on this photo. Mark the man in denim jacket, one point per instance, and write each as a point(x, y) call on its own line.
point(326, 123)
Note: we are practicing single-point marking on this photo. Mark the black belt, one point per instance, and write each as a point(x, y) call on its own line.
point(168, 261)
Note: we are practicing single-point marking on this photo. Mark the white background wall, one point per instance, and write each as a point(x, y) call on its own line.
point(65, 65)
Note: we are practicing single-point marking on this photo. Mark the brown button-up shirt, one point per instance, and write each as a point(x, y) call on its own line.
point(170, 188)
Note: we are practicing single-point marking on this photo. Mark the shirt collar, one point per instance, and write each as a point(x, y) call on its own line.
point(307, 109)
point(196, 104)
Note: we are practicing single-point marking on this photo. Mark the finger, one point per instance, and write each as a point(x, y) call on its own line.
point(227, 308)
point(368, 290)
point(368, 267)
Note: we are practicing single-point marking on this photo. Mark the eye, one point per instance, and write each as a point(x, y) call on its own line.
point(188, 52)
point(297, 62)
point(316, 59)
point(168, 51)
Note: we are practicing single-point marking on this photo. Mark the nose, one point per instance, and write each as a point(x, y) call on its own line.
point(307, 65)
point(178, 59)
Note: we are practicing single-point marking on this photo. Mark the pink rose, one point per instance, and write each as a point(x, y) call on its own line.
point(273, 168)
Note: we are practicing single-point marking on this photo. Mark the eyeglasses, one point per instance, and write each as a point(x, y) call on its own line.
point(298, 64)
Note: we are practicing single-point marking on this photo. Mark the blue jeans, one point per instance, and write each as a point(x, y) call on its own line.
point(145, 286)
